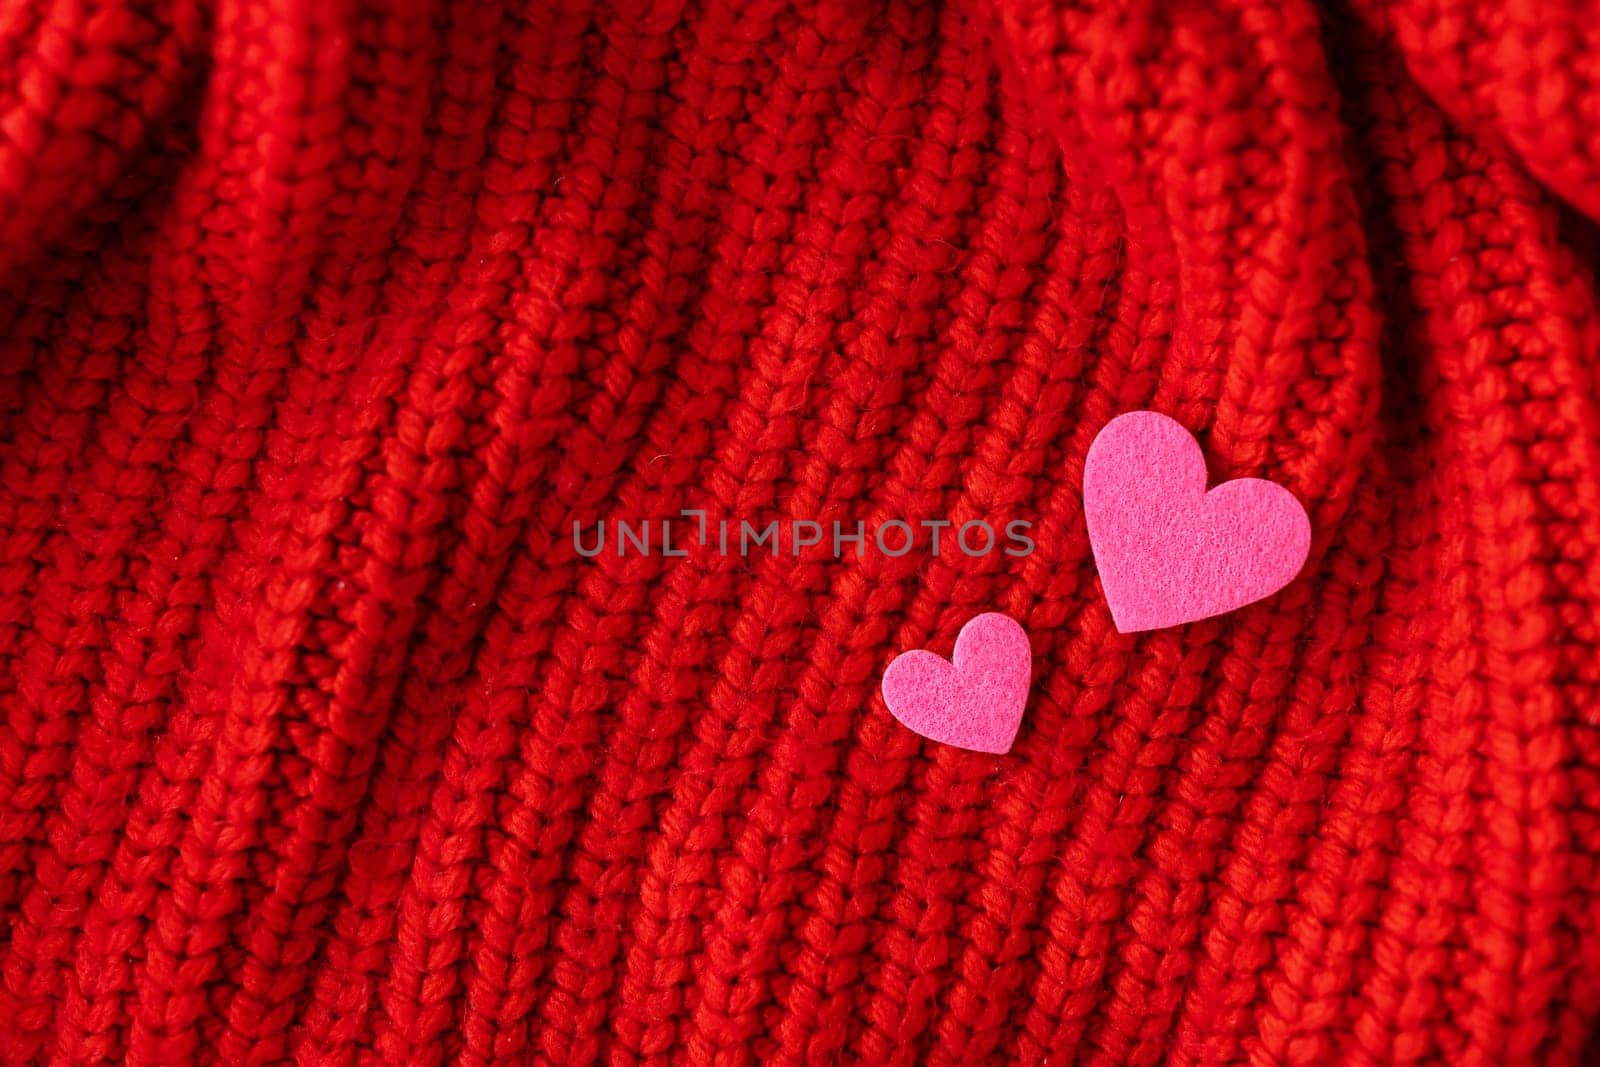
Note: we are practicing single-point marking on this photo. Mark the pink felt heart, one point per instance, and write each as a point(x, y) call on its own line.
point(973, 700)
point(1170, 552)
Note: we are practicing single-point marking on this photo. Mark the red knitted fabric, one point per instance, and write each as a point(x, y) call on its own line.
point(322, 322)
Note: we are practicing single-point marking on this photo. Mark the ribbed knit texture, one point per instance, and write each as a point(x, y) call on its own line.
point(321, 323)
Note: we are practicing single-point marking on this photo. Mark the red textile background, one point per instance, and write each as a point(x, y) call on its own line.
point(321, 322)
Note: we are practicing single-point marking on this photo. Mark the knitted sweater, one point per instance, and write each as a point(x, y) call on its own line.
point(325, 325)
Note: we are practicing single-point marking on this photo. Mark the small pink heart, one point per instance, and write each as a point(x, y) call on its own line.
point(1170, 552)
point(973, 700)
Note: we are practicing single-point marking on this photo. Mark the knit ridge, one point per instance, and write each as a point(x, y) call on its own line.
point(322, 324)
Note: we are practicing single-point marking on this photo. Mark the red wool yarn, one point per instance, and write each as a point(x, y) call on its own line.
point(322, 323)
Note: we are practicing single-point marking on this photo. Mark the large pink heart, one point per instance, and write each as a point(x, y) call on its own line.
point(1170, 552)
point(973, 700)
